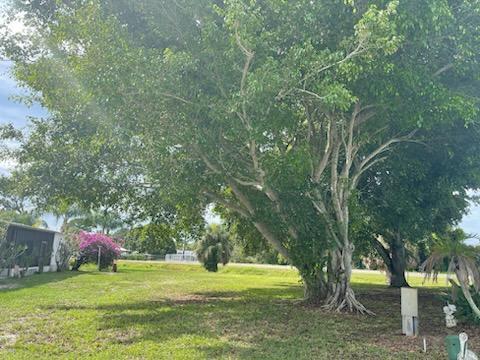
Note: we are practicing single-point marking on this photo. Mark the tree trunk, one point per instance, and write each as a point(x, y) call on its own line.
point(333, 269)
point(398, 263)
point(315, 287)
point(468, 296)
point(341, 296)
point(394, 259)
point(465, 285)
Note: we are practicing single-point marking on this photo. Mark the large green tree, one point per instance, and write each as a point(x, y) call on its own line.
point(420, 189)
point(273, 109)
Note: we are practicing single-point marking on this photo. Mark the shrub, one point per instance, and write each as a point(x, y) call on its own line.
point(62, 256)
point(67, 248)
point(265, 256)
point(214, 247)
point(136, 256)
point(90, 243)
point(464, 310)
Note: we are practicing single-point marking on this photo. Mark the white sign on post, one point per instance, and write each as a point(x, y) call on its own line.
point(409, 311)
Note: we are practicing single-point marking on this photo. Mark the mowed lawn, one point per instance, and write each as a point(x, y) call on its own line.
point(173, 311)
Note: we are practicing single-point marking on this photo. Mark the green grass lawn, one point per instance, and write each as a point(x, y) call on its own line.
point(169, 311)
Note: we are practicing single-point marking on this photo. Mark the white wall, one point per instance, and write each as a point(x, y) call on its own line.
point(58, 238)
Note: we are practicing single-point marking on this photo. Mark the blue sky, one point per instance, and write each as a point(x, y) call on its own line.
point(16, 113)
point(11, 111)
point(470, 223)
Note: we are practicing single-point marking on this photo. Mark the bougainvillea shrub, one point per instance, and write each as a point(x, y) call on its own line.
point(91, 244)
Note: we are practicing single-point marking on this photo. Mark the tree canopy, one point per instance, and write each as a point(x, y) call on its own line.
point(420, 189)
point(274, 110)
point(157, 239)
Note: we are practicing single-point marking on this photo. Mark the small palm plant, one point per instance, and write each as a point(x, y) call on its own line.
point(462, 260)
point(214, 247)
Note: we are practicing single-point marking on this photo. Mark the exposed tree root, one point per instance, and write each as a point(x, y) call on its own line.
point(348, 302)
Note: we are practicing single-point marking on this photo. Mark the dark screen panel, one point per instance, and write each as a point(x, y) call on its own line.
point(32, 239)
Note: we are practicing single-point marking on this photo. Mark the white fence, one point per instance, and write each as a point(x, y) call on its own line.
point(181, 257)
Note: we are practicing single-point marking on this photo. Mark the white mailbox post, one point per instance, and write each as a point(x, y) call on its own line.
point(409, 311)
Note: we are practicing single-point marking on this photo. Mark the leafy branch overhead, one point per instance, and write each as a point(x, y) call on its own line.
point(274, 110)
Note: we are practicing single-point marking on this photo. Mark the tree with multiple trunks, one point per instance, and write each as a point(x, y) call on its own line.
point(274, 110)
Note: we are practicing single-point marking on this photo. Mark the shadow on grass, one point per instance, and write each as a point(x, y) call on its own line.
point(201, 321)
point(9, 285)
point(242, 324)
point(253, 323)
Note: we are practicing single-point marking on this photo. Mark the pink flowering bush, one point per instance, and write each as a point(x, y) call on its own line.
point(89, 244)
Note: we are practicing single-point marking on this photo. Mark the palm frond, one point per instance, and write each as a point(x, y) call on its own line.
point(432, 266)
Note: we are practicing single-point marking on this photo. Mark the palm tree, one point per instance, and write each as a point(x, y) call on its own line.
point(462, 260)
point(66, 212)
point(214, 247)
point(29, 218)
point(76, 217)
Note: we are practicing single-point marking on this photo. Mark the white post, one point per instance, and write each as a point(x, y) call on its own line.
point(16, 271)
point(409, 311)
point(99, 256)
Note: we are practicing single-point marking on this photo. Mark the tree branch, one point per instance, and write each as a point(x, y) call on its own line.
point(443, 69)
point(382, 148)
point(383, 252)
point(265, 231)
point(323, 162)
point(214, 168)
point(273, 196)
point(358, 50)
point(262, 227)
point(315, 95)
point(227, 204)
point(248, 60)
point(177, 98)
point(334, 180)
point(322, 210)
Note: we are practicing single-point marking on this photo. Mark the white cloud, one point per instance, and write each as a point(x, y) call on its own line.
point(7, 166)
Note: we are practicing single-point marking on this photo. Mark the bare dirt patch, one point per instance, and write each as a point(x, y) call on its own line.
point(200, 298)
point(431, 322)
point(7, 340)
point(8, 286)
